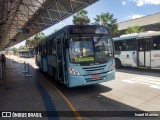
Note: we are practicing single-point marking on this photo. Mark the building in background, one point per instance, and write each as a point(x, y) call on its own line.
point(148, 23)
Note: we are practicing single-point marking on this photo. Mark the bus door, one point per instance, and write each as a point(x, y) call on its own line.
point(144, 52)
point(60, 60)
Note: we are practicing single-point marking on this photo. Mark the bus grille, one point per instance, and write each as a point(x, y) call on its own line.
point(95, 68)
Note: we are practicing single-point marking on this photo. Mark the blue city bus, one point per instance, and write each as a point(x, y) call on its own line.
point(26, 53)
point(78, 55)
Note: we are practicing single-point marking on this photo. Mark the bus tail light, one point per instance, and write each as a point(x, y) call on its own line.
point(112, 67)
point(73, 71)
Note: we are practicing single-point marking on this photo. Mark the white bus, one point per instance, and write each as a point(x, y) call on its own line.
point(138, 50)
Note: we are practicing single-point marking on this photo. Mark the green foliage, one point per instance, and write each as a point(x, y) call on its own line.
point(55, 30)
point(134, 29)
point(15, 50)
point(107, 19)
point(32, 42)
point(23, 48)
point(81, 18)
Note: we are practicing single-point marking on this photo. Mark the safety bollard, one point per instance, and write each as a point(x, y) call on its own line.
point(25, 71)
point(1, 72)
point(28, 75)
point(1, 76)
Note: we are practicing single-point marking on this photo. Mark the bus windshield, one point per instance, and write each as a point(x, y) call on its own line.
point(90, 49)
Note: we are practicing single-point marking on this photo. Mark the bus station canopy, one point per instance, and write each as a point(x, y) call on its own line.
point(21, 19)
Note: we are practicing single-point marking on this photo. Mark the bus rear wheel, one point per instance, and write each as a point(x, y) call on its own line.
point(118, 63)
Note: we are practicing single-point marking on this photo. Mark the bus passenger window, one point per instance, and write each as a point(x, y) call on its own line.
point(156, 46)
point(120, 48)
point(44, 49)
point(117, 46)
point(53, 47)
point(48, 48)
point(130, 45)
point(40, 49)
point(141, 48)
point(120, 45)
point(156, 43)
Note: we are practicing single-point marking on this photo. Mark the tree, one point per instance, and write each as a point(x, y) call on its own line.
point(32, 42)
point(134, 29)
point(28, 43)
point(55, 30)
point(107, 19)
point(23, 48)
point(81, 18)
point(15, 50)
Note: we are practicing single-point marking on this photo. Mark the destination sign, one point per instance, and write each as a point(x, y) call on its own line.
point(88, 30)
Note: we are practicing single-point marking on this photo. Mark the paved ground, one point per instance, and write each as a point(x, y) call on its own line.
point(132, 90)
point(21, 93)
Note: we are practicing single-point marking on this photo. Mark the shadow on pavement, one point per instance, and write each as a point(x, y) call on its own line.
point(89, 101)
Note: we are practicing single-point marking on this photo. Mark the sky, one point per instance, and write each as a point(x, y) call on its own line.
point(122, 10)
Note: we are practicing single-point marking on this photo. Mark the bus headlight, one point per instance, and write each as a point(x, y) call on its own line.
point(112, 67)
point(73, 71)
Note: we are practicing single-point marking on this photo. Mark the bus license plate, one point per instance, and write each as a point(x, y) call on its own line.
point(95, 76)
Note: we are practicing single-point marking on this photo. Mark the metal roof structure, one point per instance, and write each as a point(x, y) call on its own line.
point(21, 19)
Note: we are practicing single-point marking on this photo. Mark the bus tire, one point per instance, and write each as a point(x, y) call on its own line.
point(117, 63)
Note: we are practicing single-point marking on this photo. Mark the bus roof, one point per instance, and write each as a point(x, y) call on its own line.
point(149, 33)
point(69, 26)
point(125, 37)
point(137, 35)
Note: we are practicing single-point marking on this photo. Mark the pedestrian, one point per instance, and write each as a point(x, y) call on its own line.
point(3, 60)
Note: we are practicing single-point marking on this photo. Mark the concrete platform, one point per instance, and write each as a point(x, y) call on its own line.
point(132, 91)
point(21, 93)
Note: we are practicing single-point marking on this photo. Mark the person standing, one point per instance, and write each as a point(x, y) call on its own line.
point(3, 60)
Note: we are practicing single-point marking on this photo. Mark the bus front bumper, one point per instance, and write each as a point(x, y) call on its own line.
point(75, 80)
